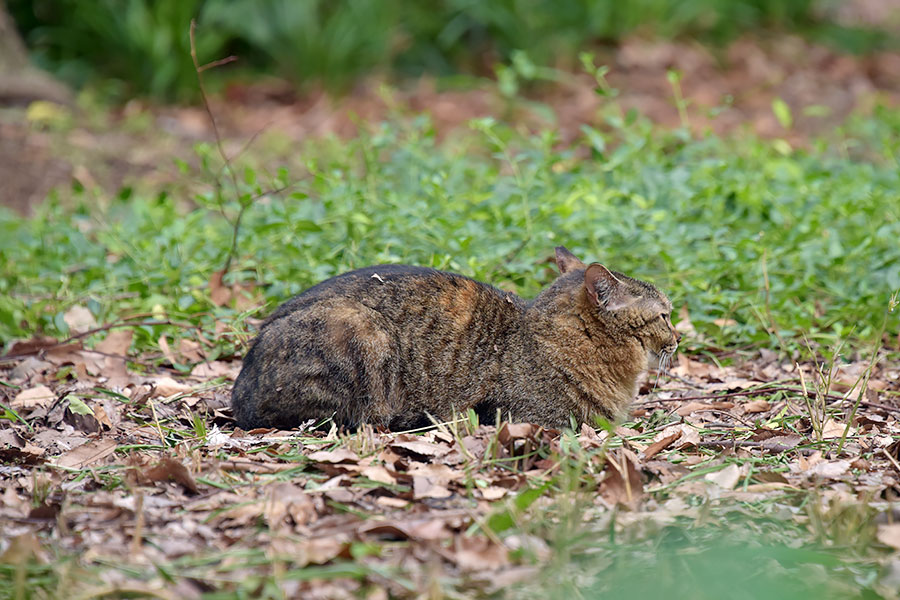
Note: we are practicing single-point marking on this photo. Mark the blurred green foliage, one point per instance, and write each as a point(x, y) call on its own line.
point(141, 46)
point(711, 221)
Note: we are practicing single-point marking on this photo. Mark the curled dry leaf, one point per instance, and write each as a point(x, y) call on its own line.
point(169, 469)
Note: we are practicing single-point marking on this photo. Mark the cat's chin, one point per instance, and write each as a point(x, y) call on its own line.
point(659, 361)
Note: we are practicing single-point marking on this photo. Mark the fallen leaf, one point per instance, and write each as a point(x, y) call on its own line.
point(420, 448)
point(425, 488)
point(725, 478)
point(477, 553)
point(889, 535)
point(334, 456)
point(493, 492)
point(167, 387)
point(429, 529)
point(756, 406)
point(218, 292)
point(169, 469)
point(117, 342)
point(79, 319)
point(379, 474)
point(86, 454)
point(657, 447)
point(831, 469)
point(515, 431)
point(39, 395)
point(832, 429)
point(622, 484)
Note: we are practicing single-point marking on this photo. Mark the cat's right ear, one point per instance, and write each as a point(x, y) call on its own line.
point(605, 289)
point(566, 261)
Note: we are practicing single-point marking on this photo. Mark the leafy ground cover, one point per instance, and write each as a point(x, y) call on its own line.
point(764, 462)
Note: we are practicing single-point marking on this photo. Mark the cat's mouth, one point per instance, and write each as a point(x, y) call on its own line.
point(660, 361)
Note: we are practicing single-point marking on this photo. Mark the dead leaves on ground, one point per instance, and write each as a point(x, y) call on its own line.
point(145, 467)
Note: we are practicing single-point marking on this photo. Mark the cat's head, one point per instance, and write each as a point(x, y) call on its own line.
point(634, 306)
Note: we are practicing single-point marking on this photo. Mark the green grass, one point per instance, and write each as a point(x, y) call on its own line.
point(714, 223)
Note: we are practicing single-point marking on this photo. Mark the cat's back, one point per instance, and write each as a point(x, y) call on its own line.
point(397, 290)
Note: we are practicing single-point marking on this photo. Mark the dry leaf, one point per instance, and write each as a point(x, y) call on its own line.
point(117, 342)
point(379, 474)
point(425, 488)
point(756, 406)
point(622, 484)
point(39, 395)
point(334, 456)
point(169, 469)
point(889, 535)
point(657, 447)
point(725, 478)
point(79, 319)
point(218, 293)
point(477, 553)
point(167, 387)
point(86, 454)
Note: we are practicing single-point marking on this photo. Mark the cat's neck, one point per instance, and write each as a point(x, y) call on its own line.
point(601, 357)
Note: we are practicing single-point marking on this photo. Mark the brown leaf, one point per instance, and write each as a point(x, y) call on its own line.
point(419, 529)
point(477, 553)
point(425, 488)
point(218, 292)
point(889, 535)
point(288, 500)
point(379, 474)
point(622, 484)
point(725, 478)
point(167, 387)
point(117, 342)
point(756, 406)
point(79, 319)
point(657, 447)
point(493, 492)
point(169, 469)
point(86, 454)
point(39, 395)
point(515, 431)
point(425, 449)
point(334, 456)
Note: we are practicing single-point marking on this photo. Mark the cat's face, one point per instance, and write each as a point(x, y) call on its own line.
point(635, 306)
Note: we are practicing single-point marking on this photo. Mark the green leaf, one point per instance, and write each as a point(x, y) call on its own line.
point(782, 113)
point(77, 406)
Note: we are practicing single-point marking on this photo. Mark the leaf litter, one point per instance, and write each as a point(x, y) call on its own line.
point(141, 473)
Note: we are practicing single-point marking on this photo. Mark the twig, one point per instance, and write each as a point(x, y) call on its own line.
point(892, 459)
point(199, 70)
point(84, 334)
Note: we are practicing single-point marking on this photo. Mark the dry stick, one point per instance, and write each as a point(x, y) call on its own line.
point(236, 226)
point(892, 459)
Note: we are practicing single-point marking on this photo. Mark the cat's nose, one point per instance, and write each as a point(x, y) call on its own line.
point(677, 336)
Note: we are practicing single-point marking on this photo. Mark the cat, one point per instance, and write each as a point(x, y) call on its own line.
point(390, 345)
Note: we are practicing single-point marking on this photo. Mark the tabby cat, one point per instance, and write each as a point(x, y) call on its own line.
point(391, 344)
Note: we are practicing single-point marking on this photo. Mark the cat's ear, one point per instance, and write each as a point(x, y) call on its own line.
point(605, 289)
point(566, 261)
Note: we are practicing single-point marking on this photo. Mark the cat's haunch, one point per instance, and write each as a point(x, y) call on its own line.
point(391, 344)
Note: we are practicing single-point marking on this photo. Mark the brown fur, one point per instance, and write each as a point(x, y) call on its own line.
point(391, 344)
